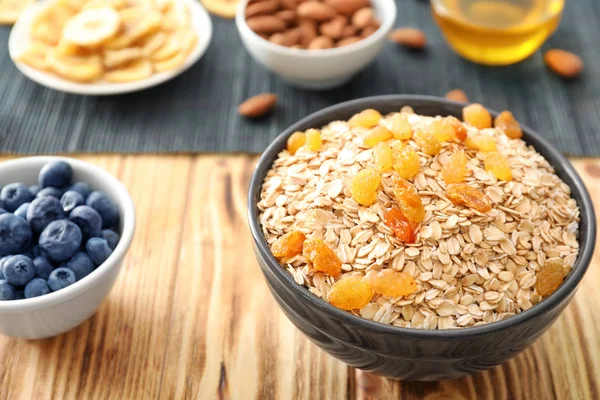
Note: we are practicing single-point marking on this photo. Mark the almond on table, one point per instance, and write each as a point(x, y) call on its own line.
point(409, 37)
point(257, 106)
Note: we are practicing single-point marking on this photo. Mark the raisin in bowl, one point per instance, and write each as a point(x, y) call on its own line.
point(368, 315)
point(68, 226)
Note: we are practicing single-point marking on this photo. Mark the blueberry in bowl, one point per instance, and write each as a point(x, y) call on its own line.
point(65, 227)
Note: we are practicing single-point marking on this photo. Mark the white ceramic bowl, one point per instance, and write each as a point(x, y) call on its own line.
point(57, 312)
point(318, 69)
point(19, 40)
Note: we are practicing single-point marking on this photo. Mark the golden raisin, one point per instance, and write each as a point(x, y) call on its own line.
point(400, 225)
point(322, 257)
point(477, 115)
point(406, 162)
point(376, 135)
point(481, 143)
point(408, 201)
point(498, 165)
point(427, 142)
point(507, 122)
point(350, 293)
point(364, 186)
point(442, 130)
point(383, 156)
point(456, 169)
point(313, 139)
point(460, 132)
point(295, 141)
point(390, 283)
point(288, 245)
point(366, 119)
point(400, 127)
point(463, 194)
point(549, 277)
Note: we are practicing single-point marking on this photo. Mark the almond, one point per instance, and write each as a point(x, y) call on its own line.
point(262, 7)
point(292, 36)
point(288, 16)
point(334, 28)
point(368, 31)
point(320, 42)
point(308, 29)
point(316, 10)
point(347, 7)
point(289, 5)
point(278, 38)
point(409, 37)
point(258, 105)
point(563, 63)
point(348, 40)
point(457, 95)
point(363, 17)
point(266, 24)
point(349, 30)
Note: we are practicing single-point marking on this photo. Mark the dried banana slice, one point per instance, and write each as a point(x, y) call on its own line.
point(35, 56)
point(48, 24)
point(66, 48)
point(134, 71)
point(75, 68)
point(152, 43)
point(116, 58)
point(137, 23)
point(171, 47)
point(222, 8)
point(92, 27)
point(10, 10)
point(114, 4)
point(177, 17)
point(170, 63)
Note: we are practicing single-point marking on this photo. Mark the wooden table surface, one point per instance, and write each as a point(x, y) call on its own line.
point(191, 317)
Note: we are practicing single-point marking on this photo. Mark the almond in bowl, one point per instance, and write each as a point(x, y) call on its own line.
point(312, 44)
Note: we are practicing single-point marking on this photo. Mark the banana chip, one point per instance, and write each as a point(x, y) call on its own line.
point(152, 43)
point(75, 68)
point(222, 8)
point(92, 27)
point(134, 71)
point(137, 23)
point(116, 58)
point(10, 10)
point(170, 63)
point(35, 56)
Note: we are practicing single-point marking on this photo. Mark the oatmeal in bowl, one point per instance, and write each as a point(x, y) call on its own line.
point(439, 223)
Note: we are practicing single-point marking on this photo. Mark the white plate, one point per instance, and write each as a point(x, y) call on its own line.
point(20, 38)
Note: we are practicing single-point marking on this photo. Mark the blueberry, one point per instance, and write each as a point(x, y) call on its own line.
point(18, 270)
point(42, 211)
point(111, 237)
point(13, 195)
point(2, 260)
point(55, 173)
point(22, 211)
point(37, 251)
point(81, 265)
point(60, 278)
point(88, 220)
point(70, 200)
point(82, 188)
point(37, 287)
point(43, 267)
point(7, 291)
point(50, 191)
point(98, 250)
point(3, 211)
point(60, 240)
point(15, 234)
point(35, 189)
point(19, 294)
point(106, 208)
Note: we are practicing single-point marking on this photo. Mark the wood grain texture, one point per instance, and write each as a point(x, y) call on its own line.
point(191, 317)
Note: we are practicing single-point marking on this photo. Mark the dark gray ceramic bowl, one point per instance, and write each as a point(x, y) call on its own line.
point(406, 353)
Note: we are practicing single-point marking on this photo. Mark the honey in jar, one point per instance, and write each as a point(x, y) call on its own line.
point(497, 32)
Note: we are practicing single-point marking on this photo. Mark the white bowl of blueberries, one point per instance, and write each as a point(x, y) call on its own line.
point(65, 227)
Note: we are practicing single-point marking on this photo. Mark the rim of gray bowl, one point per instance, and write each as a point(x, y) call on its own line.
point(128, 230)
point(587, 226)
